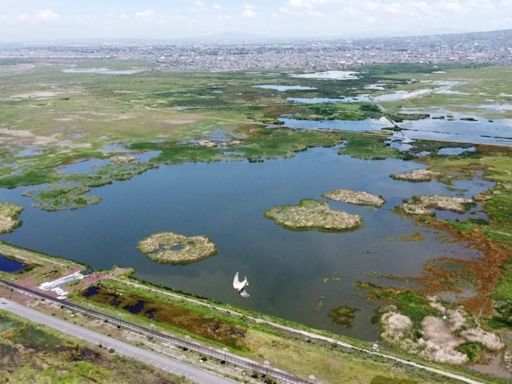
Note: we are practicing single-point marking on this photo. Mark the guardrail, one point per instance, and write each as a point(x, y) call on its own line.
point(196, 347)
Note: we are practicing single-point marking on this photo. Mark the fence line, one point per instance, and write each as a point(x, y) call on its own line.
point(196, 347)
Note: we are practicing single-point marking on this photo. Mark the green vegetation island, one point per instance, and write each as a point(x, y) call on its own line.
point(169, 247)
point(355, 197)
point(311, 214)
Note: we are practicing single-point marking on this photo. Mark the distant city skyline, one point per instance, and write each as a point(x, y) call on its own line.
point(58, 20)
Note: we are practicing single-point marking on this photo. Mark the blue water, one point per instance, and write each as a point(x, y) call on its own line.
point(226, 201)
point(84, 166)
point(460, 131)
point(10, 265)
point(455, 151)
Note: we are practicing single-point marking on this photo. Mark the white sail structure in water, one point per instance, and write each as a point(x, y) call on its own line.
point(240, 286)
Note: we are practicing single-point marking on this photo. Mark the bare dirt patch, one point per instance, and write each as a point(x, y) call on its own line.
point(438, 338)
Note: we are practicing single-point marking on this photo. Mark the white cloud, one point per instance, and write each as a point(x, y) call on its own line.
point(249, 10)
point(200, 6)
point(47, 15)
point(50, 19)
point(147, 14)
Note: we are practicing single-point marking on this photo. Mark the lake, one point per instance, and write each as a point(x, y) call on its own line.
point(290, 273)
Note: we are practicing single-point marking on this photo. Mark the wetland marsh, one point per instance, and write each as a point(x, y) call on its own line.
point(291, 272)
point(101, 156)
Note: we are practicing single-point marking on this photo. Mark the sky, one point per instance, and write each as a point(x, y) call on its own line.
point(53, 20)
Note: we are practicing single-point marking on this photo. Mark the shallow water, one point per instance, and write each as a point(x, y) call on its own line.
point(27, 152)
point(319, 100)
point(10, 265)
point(106, 71)
point(328, 75)
point(402, 95)
point(84, 166)
point(284, 88)
point(455, 151)
point(339, 125)
point(461, 131)
point(290, 272)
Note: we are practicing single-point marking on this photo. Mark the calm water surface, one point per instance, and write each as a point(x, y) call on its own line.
point(337, 125)
point(290, 272)
point(10, 265)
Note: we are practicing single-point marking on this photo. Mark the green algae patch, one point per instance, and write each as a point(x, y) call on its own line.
point(369, 147)
point(311, 214)
point(57, 199)
point(9, 217)
point(414, 236)
point(270, 143)
point(355, 197)
point(169, 247)
point(343, 315)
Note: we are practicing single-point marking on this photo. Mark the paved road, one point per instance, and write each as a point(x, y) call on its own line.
point(215, 353)
point(165, 363)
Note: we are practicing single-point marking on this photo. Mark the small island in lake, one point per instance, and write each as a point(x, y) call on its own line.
point(424, 205)
point(355, 197)
point(169, 247)
point(311, 214)
point(416, 176)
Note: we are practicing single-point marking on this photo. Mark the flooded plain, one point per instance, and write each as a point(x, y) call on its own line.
point(477, 131)
point(295, 275)
point(337, 125)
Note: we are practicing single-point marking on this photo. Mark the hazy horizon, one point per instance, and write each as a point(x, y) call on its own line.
point(58, 20)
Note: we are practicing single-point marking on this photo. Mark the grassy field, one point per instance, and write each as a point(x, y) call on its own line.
point(256, 341)
point(36, 354)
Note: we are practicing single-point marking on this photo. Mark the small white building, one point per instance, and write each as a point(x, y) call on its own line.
point(51, 285)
